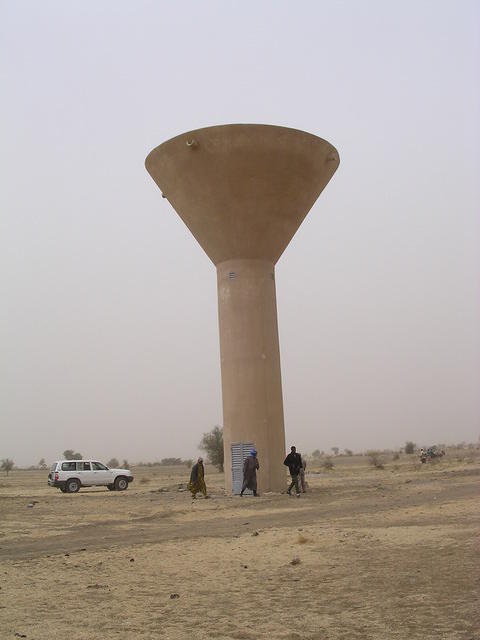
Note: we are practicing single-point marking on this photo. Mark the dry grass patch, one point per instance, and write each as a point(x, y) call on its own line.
point(301, 539)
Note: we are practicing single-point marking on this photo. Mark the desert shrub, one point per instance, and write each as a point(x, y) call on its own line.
point(396, 456)
point(170, 462)
point(7, 465)
point(375, 459)
point(212, 444)
point(316, 453)
point(69, 454)
point(113, 463)
point(409, 447)
point(301, 539)
point(335, 450)
point(125, 464)
point(348, 452)
point(328, 464)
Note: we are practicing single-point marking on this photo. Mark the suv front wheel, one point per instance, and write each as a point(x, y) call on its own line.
point(73, 485)
point(121, 483)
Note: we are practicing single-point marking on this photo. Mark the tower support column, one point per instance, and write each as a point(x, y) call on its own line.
point(250, 365)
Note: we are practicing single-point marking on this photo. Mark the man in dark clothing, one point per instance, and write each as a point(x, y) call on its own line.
point(294, 463)
point(250, 467)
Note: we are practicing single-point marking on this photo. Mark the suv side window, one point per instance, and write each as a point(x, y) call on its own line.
point(98, 466)
point(83, 466)
point(68, 466)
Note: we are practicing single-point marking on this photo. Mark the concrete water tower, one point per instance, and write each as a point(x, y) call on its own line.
point(243, 191)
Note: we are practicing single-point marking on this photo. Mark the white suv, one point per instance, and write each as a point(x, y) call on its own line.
point(70, 475)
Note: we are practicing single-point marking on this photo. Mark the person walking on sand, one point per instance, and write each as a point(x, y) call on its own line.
point(294, 463)
point(197, 479)
point(303, 484)
point(250, 467)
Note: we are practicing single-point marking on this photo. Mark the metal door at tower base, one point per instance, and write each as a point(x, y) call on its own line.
point(240, 451)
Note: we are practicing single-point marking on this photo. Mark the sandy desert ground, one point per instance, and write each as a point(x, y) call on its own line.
point(366, 553)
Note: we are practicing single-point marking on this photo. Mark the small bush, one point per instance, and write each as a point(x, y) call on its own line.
point(170, 462)
point(409, 447)
point(375, 460)
point(212, 443)
point(328, 464)
point(7, 465)
point(69, 454)
point(396, 456)
point(302, 539)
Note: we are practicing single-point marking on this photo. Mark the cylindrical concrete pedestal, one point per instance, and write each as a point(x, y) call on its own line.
point(250, 363)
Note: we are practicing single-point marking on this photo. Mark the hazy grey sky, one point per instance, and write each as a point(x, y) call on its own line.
point(109, 334)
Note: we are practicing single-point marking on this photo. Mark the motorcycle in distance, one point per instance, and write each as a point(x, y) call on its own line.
point(430, 454)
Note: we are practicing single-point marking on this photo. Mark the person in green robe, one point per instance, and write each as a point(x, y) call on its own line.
point(197, 479)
